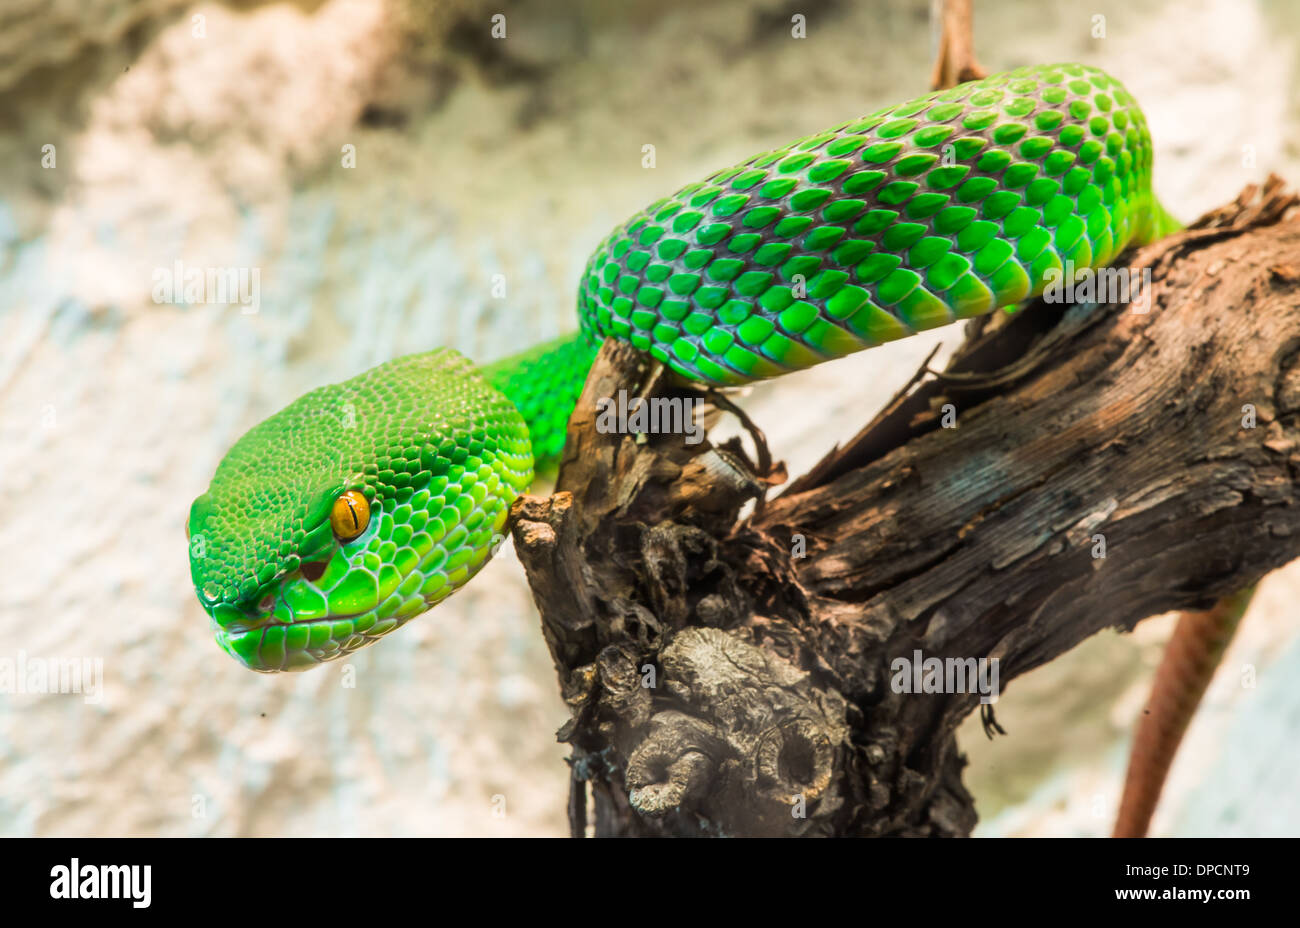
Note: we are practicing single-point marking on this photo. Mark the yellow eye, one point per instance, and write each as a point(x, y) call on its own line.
point(350, 515)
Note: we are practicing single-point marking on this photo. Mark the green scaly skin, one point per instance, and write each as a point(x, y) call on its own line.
point(935, 210)
point(439, 455)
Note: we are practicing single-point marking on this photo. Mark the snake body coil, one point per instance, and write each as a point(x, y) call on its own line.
point(938, 209)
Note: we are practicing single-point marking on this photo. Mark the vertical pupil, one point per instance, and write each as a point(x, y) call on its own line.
point(350, 515)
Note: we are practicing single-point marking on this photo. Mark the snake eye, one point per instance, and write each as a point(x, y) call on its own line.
point(350, 515)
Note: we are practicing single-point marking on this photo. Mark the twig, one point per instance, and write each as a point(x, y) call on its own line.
point(955, 61)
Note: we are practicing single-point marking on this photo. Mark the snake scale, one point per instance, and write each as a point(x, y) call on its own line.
point(365, 503)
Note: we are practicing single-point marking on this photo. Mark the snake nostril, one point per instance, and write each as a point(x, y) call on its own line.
point(311, 570)
point(267, 603)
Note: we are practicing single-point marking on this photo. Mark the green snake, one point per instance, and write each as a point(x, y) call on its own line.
point(365, 503)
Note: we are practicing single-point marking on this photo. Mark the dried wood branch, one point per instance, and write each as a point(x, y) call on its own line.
point(728, 675)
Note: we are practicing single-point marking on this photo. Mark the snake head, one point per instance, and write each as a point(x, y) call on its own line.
point(355, 508)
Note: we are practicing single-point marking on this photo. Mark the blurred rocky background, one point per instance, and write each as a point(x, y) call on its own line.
point(377, 162)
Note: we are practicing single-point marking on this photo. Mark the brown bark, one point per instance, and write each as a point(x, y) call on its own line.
point(772, 690)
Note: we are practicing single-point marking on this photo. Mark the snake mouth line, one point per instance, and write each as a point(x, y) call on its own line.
point(268, 620)
point(310, 571)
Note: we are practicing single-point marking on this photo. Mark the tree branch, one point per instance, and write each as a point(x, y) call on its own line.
point(732, 675)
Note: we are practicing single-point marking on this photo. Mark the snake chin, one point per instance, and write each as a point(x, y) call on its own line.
point(273, 636)
point(248, 641)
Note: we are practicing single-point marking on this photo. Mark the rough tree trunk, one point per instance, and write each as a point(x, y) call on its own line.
point(1094, 430)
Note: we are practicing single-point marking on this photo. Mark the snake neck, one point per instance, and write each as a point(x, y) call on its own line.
point(544, 383)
